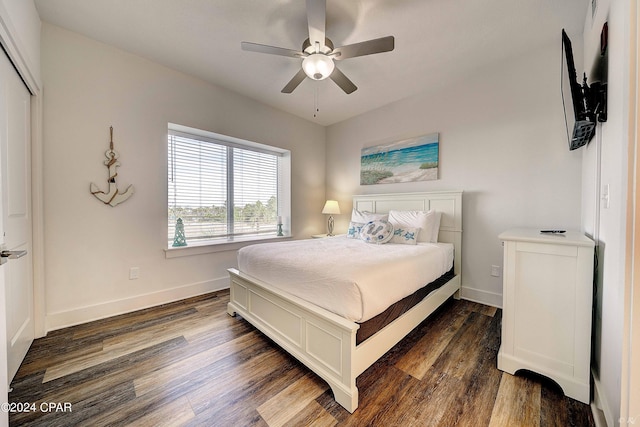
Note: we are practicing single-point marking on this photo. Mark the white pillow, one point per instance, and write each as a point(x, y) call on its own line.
point(365, 217)
point(379, 231)
point(436, 228)
point(405, 235)
point(425, 221)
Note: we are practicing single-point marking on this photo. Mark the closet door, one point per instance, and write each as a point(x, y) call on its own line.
point(16, 221)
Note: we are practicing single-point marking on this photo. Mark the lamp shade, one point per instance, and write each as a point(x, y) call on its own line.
point(331, 207)
point(318, 66)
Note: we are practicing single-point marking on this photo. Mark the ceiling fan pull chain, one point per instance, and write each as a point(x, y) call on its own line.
point(315, 101)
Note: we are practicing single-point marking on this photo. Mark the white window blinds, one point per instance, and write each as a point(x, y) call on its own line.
point(221, 189)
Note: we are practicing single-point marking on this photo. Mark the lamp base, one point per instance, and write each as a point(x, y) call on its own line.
point(330, 226)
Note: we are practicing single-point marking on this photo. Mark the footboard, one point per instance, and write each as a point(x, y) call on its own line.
point(323, 341)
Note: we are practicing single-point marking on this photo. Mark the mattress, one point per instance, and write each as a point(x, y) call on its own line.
point(397, 309)
point(348, 277)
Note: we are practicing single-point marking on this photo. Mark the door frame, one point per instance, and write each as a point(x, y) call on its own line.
point(10, 41)
point(630, 375)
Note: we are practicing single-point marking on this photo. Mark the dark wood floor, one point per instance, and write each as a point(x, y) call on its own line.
point(189, 363)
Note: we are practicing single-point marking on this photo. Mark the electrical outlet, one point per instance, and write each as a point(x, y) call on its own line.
point(134, 273)
point(495, 270)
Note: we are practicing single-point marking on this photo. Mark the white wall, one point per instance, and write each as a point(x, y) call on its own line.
point(90, 246)
point(502, 141)
point(606, 164)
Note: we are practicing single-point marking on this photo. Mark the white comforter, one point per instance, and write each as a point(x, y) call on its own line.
point(349, 277)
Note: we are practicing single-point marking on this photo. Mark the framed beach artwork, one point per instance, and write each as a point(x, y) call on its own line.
point(409, 160)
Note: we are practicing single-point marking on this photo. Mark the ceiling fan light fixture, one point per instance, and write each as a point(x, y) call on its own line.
point(318, 66)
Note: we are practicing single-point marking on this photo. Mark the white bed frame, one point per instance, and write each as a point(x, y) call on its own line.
point(326, 342)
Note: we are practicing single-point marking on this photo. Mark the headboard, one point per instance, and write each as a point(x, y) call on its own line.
point(447, 202)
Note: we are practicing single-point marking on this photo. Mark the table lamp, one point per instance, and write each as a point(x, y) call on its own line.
point(331, 208)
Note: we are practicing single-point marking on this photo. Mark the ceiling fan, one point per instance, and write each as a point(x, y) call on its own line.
point(318, 53)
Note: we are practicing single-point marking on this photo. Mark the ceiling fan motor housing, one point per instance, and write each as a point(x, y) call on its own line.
point(307, 47)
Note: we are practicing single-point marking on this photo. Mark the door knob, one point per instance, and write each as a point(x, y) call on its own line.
point(12, 254)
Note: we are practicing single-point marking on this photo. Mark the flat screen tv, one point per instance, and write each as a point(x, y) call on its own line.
point(579, 117)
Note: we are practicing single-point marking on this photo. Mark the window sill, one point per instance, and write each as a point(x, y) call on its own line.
point(209, 247)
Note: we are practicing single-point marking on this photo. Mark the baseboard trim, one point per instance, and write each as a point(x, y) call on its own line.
point(481, 296)
point(602, 415)
point(598, 416)
point(77, 316)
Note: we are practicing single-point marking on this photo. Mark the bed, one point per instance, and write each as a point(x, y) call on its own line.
point(327, 343)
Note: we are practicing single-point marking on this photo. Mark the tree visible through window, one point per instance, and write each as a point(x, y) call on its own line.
point(224, 189)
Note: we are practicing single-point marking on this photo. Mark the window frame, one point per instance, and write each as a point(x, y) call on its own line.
point(233, 242)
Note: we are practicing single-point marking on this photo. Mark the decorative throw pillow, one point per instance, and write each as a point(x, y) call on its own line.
point(379, 231)
point(425, 221)
point(354, 230)
point(405, 235)
point(365, 217)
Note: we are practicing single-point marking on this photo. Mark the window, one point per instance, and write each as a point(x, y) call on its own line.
point(225, 189)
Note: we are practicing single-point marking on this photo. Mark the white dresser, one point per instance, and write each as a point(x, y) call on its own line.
point(547, 299)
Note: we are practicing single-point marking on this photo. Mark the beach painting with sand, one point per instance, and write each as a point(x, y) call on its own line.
point(409, 160)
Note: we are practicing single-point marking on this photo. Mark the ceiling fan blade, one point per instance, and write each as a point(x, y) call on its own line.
point(316, 18)
point(294, 82)
point(341, 80)
point(383, 44)
point(263, 48)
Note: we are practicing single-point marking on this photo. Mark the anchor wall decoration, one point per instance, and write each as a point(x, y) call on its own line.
point(113, 197)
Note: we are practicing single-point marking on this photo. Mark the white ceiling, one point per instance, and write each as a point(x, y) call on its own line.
point(436, 42)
